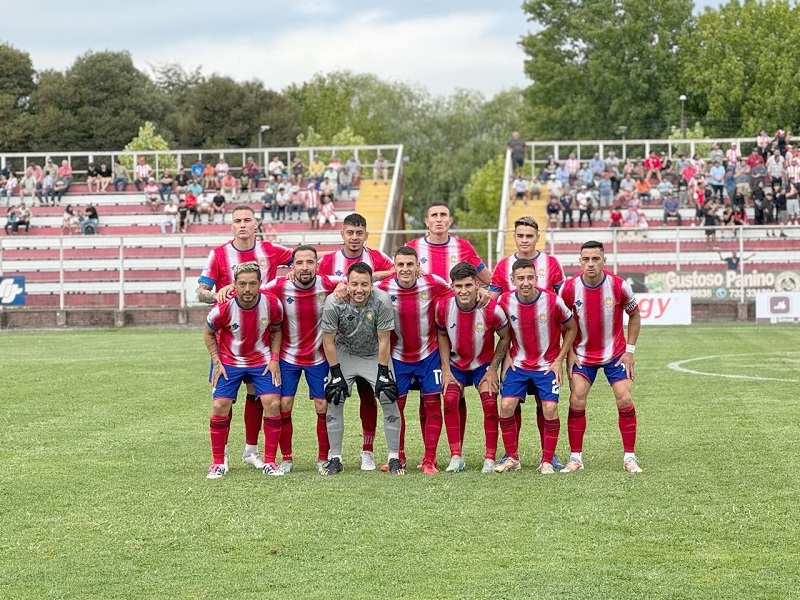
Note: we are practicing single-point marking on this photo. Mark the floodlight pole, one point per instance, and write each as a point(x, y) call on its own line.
point(261, 131)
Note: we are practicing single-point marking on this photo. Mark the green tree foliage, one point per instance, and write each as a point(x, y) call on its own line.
point(147, 139)
point(740, 65)
point(598, 64)
point(16, 86)
point(482, 197)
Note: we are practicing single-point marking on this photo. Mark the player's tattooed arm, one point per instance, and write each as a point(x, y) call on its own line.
point(205, 293)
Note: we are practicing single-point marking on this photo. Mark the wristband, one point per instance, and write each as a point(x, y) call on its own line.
point(630, 348)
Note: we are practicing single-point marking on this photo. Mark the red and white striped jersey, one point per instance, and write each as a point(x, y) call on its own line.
point(438, 259)
point(415, 334)
point(311, 198)
point(598, 309)
point(535, 328)
point(549, 274)
point(243, 334)
point(301, 343)
point(222, 260)
point(471, 332)
point(336, 263)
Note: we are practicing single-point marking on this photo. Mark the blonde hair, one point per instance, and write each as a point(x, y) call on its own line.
point(247, 267)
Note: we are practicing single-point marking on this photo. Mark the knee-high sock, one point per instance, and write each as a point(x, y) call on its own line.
point(423, 416)
point(452, 420)
point(540, 423)
point(391, 428)
point(253, 413)
point(335, 423)
point(368, 411)
point(551, 429)
point(627, 427)
point(508, 428)
point(218, 428)
point(518, 420)
point(272, 437)
point(433, 425)
point(490, 417)
point(322, 437)
point(462, 416)
point(401, 406)
point(576, 427)
point(287, 430)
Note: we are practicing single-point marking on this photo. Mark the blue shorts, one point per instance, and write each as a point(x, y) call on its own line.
point(612, 371)
point(229, 388)
point(518, 382)
point(428, 372)
point(474, 377)
point(315, 378)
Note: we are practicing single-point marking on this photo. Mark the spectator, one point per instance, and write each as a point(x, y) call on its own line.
point(585, 175)
point(744, 178)
point(754, 158)
point(28, 184)
point(572, 166)
point(553, 209)
point(555, 186)
point(779, 196)
point(195, 188)
point(267, 199)
point(91, 222)
point(730, 180)
point(763, 141)
point(253, 172)
point(332, 175)
point(51, 169)
point(597, 165)
point(209, 177)
point(205, 207)
point(270, 233)
point(643, 190)
point(768, 211)
point(197, 171)
point(517, 147)
point(605, 192)
point(328, 188)
point(716, 178)
point(616, 217)
point(69, 221)
point(120, 177)
point(165, 186)
point(312, 206)
point(65, 172)
point(335, 164)
point(670, 206)
point(170, 216)
point(775, 166)
point(710, 221)
point(316, 169)
point(549, 170)
point(17, 217)
point(732, 155)
point(732, 262)
point(380, 170)
point(46, 193)
point(534, 189)
point(190, 201)
point(142, 173)
point(652, 166)
point(520, 190)
point(181, 185)
point(218, 205)
point(276, 168)
point(222, 168)
point(612, 166)
point(326, 213)
point(10, 187)
point(282, 199)
point(563, 175)
point(565, 200)
point(92, 179)
point(584, 201)
point(229, 187)
point(151, 194)
point(184, 214)
point(716, 154)
point(666, 166)
point(105, 175)
point(60, 187)
point(352, 170)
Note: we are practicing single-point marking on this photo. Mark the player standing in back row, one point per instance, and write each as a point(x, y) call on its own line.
point(354, 235)
point(598, 298)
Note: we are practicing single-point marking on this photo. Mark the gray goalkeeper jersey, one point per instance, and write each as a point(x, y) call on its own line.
point(357, 327)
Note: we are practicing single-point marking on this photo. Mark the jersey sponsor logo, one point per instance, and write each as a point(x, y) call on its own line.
point(234, 327)
point(578, 303)
point(423, 260)
point(339, 272)
point(608, 302)
point(391, 418)
point(289, 300)
point(12, 291)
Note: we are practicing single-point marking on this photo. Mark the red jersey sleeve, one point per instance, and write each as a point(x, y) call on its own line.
point(275, 309)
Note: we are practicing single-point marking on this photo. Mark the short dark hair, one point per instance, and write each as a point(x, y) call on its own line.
point(463, 270)
point(522, 263)
point(406, 251)
point(360, 267)
point(436, 203)
point(304, 248)
point(355, 220)
point(526, 222)
point(592, 244)
point(243, 207)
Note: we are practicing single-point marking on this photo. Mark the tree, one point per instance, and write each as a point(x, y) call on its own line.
point(16, 86)
point(482, 197)
point(744, 76)
point(147, 139)
point(597, 64)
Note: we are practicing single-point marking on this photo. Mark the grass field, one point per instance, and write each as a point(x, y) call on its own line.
point(104, 449)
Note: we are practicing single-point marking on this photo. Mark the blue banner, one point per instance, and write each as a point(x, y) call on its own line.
point(12, 291)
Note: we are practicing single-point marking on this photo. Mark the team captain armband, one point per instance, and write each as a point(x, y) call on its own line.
point(631, 306)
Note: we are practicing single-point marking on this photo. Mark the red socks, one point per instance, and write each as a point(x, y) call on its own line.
point(287, 429)
point(576, 427)
point(627, 427)
point(369, 413)
point(551, 428)
point(462, 415)
point(433, 425)
point(401, 406)
point(218, 428)
point(322, 437)
point(253, 413)
point(272, 436)
point(452, 418)
point(508, 427)
point(540, 423)
point(490, 417)
point(518, 419)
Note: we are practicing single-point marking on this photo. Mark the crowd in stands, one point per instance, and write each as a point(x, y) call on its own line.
point(719, 187)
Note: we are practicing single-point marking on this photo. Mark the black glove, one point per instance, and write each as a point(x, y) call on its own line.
point(384, 384)
point(336, 388)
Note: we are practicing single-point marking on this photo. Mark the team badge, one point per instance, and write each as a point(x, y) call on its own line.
point(454, 259)
point(264, 321)
point(608, 302)
point(479, 327)
point(263, 262)
point(542, 317)
point(541, 272)
point(424, 296)
point(368, 315)
point(321, 297)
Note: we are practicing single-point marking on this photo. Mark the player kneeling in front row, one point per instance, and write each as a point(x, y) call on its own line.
point(249, 328)
point(469, 357)
point(598, 298)
point(537, 319)
point(357, 343)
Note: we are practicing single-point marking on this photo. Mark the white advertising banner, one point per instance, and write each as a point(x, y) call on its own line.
point(778, 307)
point(665, 309)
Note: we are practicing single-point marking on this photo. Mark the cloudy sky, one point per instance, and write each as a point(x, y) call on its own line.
point(441, 44)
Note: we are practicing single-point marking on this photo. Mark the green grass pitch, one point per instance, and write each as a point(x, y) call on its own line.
point(104, 449)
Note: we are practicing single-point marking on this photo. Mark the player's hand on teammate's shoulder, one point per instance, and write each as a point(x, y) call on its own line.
point(340, 292)
point(226, 293)
point(483, 297)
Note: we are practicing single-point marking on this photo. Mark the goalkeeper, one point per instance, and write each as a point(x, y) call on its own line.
point(357, 343)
